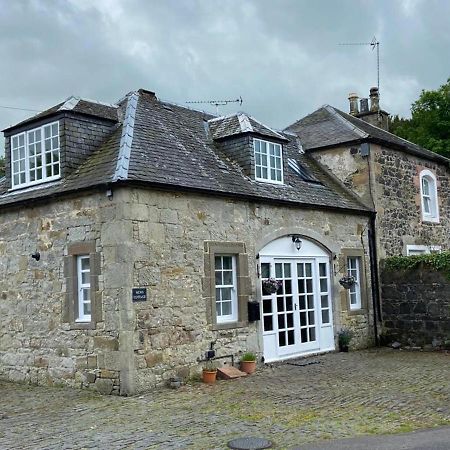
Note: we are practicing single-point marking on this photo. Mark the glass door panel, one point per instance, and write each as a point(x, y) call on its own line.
point(285, 305)
point(307, 313)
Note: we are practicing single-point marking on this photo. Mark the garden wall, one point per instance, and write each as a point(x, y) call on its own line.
point(416, 305)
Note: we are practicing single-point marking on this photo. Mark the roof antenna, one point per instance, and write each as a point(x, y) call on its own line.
point(374, 44)
point(218, 103)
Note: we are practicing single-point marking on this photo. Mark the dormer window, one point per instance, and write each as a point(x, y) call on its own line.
point(35, 156)
point(268, 161)
point(428, 195)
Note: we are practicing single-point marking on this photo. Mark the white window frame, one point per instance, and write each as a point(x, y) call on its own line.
point(81, 287)
point(412, 250)
point(269, 167)
point(326, 292)
point(233, 317)
point(26, 160)
point(433, 214)
point(354, 271)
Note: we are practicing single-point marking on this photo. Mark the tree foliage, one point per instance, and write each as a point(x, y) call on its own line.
point(2, 166)
point(429, 125)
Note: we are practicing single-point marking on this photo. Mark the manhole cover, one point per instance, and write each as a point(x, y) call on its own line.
point(249, 443)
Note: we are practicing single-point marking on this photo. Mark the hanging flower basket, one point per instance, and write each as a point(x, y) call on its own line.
point(347, 281)
point(270, 286)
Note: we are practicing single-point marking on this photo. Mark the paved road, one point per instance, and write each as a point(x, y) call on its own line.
point(341, 396)
point(435, 439)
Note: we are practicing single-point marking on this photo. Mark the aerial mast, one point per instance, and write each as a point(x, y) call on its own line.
point(375, 44)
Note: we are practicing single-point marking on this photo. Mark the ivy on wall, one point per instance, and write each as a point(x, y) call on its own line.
point(434, 261)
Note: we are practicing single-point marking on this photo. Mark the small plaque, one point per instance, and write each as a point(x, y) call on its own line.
point(139, 294)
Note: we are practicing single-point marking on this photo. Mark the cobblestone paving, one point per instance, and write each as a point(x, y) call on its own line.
point(343, 395)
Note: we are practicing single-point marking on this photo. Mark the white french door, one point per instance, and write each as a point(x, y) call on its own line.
point(297, 318)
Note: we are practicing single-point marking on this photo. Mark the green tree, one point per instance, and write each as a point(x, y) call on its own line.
point(429, 125)
point(2, 166)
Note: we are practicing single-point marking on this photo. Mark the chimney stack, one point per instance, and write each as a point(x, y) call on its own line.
point(374, 99)
point(364, 105)
point(353, 98)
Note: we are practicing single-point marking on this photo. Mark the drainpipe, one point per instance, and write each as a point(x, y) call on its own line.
point(374, 274)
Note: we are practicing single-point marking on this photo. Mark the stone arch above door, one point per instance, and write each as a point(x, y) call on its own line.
point(328, 246)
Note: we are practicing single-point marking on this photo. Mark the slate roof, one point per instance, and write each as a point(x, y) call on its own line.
point(328, 126)
point(78, 105)
point(170, 148)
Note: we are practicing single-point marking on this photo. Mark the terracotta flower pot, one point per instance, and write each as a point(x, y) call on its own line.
point(209, 376)
point(248, 366)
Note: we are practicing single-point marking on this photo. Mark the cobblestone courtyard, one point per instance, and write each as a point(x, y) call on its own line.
point(337, 396)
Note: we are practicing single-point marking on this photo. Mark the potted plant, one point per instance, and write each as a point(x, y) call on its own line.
point(270, 286)
point(344, 338)
point(347, 281)
point(209, 373)
point(248, 362)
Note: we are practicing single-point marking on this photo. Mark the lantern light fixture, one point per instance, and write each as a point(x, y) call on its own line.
point(297, 241)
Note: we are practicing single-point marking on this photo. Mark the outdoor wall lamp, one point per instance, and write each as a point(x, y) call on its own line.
point(297, 241)
point(36, 256)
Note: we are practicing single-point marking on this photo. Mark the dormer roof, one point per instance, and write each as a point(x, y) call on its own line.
point(79, 105)
point(240, 123)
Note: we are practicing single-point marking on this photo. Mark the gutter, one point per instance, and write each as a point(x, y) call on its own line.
point(374, 275)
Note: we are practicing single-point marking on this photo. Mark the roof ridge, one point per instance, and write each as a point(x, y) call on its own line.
point(126, 140)
point(215, 119)
point(98, 102)
point(332, 110)
point(265, 126)
point(244, 122)
point(69, 103)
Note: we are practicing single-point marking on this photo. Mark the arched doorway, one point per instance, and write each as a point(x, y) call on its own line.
point(297, 319)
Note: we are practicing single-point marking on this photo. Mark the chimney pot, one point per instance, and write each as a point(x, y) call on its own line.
point(353, 99)
point(374, 99)
point(364, 105)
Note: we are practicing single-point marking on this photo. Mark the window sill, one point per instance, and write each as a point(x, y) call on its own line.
point(82, 326)
point(430, 220)
point(34, 185)
point(263, 180)
point(229, 325)
point(357, 312)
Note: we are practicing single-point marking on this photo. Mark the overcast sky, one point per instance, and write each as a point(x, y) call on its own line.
point(281, 56)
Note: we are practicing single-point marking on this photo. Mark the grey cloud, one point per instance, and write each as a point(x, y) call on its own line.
point(281, 56)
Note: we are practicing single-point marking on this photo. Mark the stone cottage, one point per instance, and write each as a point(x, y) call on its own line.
point(407, 185)
point(136, 236)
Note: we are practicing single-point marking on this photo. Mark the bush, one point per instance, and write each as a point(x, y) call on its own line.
point(435, 261)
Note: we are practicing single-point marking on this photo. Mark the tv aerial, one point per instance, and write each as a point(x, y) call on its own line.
point(375, 44)
point(218, 103)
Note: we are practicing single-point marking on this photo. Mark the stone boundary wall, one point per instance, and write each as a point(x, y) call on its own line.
point(416, 306)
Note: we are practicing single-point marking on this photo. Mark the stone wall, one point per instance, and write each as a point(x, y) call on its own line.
point(416, 306)
point(169, 231)
point(399, 205)
point(37, 345)
point(352, 169)
point(389, 179)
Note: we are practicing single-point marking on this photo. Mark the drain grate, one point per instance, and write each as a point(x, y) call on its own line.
point(249, 443)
